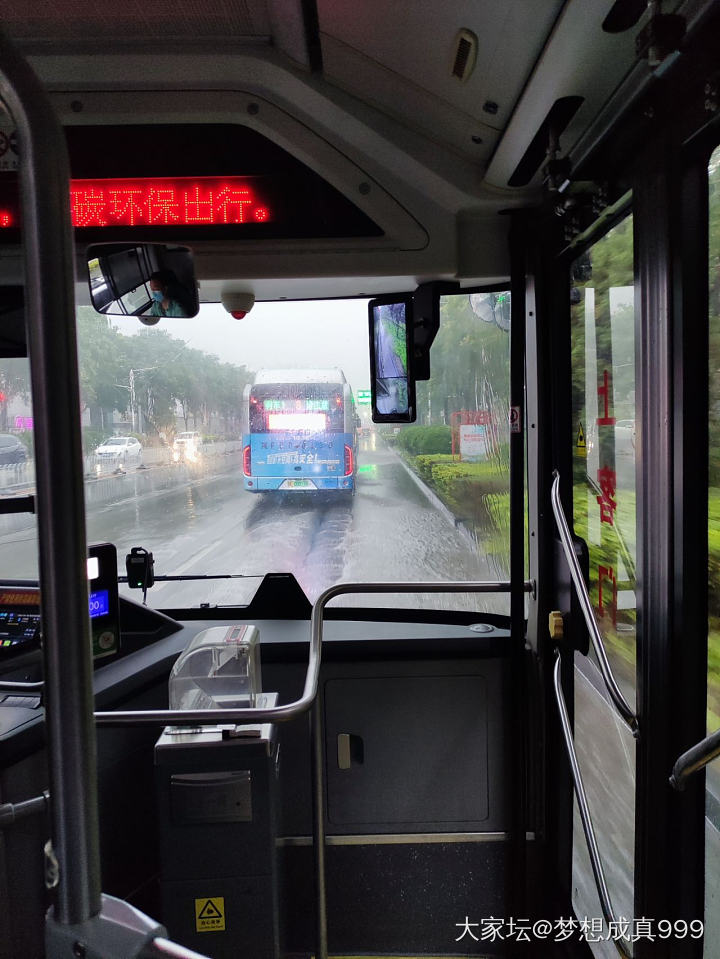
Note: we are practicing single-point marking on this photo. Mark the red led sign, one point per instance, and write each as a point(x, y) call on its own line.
point(181, 201)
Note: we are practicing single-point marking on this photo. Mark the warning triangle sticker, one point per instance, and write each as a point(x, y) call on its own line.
point(209, 911)
point(580, 438)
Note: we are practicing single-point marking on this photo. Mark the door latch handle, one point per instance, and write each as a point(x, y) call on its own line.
point(350, 750)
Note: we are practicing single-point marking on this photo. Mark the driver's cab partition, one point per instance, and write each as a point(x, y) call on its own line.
point(341, 802)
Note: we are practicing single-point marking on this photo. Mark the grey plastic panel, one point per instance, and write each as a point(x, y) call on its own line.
point(424, 756)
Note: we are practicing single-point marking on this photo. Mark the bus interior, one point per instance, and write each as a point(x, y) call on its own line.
point(446, 683)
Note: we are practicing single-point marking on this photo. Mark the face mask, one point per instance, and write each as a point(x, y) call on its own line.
point(157, 295)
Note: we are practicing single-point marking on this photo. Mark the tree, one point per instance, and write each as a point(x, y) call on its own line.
point(103, 371)
point(151, 374)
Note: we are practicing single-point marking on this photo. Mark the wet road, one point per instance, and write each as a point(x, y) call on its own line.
point(389, 530)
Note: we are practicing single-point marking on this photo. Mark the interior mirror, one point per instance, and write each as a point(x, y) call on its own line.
point(147, 280)
point(391, 350)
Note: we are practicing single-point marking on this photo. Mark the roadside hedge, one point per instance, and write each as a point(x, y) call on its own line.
point(424, 440)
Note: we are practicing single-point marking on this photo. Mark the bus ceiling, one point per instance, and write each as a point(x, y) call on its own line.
point(470, 103)
point(365, 168)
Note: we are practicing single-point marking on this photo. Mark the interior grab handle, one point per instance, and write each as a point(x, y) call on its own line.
point(583, 596)
point(695, 759)
point(623, 945)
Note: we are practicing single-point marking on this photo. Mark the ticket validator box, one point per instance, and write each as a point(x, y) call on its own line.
point(216, 791)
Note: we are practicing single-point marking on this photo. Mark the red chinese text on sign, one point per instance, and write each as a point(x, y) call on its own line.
point(180, 201)
point(604, 395)
point(607, 479)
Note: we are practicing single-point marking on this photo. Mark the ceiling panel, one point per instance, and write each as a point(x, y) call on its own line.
point(412, 44)
point(45, 20)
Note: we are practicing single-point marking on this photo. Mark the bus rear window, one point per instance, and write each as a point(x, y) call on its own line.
point(297, 407)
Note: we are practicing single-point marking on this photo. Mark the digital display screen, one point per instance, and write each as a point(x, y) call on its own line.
point(390, 344)
point(298, 422)
point(297, 405)
point(178, 201)
point(99, 603)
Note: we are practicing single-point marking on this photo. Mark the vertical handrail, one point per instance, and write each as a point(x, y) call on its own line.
point(621, 704)
point(317, 728)
point(623, 944)
point(50, 312)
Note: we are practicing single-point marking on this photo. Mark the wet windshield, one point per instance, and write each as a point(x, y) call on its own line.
point(282, 468)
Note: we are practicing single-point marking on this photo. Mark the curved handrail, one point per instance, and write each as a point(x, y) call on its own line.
point(278, 714)
point(292, 710)
point(695, 759)
point(622, 944)
point(583, 596)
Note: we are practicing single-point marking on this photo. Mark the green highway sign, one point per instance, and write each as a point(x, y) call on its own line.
point(363, 396)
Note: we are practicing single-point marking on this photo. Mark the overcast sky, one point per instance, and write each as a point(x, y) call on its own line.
point(322, 333)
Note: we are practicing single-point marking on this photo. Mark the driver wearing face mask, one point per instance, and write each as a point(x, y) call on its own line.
point(165, 302)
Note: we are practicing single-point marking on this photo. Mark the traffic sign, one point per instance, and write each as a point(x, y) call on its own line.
point(363, 396)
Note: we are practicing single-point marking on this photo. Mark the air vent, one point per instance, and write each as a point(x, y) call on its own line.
point(466, 45)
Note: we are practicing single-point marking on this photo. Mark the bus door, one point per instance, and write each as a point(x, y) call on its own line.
point(638, 445)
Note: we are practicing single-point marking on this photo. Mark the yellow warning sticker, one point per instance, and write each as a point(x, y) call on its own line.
point(210, 914)
point(580, 444)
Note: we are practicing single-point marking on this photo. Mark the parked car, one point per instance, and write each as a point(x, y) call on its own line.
point(119, 452)
point(12, 450)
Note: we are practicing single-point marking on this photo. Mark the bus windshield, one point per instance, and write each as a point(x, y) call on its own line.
point(252, 450)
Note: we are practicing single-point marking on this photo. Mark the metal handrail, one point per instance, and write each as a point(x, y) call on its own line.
point(278, 714)
point(309, 699)
point(160, 948)
point(621, 704)
point(318, 739)
point(695, 759)
point(50, 315)
point(623, 945)
point(13, 687)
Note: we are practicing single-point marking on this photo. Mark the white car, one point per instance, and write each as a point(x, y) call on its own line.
point(119, 452)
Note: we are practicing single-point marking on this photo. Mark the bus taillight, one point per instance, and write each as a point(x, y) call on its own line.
point(348, 460)
point(246, 461)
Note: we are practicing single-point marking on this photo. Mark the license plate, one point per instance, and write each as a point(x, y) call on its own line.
point(298, 484)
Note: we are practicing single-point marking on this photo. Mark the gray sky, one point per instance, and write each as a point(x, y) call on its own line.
point(319, 333)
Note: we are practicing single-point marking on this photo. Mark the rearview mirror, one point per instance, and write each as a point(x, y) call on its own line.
point(391, 352)
point(149, 280)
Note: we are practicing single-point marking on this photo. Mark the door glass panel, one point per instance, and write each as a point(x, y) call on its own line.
point(603, 439)
point(712, 795)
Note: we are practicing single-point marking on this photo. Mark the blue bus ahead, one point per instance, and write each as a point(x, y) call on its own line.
point(299, 431)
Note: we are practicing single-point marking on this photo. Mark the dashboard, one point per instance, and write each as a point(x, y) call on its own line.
point(149, 641)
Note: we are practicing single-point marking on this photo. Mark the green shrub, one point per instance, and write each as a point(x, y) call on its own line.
point(425, 464)
point(420, 440)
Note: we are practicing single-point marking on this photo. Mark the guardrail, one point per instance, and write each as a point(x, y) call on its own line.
point(159, 456)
